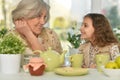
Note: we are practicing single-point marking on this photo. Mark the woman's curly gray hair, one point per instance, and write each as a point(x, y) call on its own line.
point(29, 9)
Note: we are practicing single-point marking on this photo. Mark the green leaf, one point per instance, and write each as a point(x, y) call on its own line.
point(11, 44)
point(74, 40)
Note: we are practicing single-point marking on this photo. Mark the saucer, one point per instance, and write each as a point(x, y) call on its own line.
point(70, 71)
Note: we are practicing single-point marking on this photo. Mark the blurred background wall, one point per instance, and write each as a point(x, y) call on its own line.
point(66, 15)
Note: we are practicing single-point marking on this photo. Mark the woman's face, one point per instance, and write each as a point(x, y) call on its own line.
point(36, 24)
point(87, 29)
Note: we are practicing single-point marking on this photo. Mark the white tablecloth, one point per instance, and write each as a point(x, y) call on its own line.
point(93, 75)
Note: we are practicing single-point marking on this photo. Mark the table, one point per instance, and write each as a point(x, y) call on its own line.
point(93, 75)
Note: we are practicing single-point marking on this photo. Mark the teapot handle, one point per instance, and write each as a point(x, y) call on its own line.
point(37, 51)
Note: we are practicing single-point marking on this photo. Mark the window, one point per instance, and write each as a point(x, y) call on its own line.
point(112, 12)
point(66, 15)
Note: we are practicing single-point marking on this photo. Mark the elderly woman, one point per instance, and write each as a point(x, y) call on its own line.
point(29, 18)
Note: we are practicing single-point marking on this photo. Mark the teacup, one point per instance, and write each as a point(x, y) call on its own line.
point(76, 60)
point(101, 60)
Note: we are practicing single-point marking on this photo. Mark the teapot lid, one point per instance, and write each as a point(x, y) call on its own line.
point(50, 50)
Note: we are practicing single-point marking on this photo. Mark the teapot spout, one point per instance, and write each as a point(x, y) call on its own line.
point(62, 57)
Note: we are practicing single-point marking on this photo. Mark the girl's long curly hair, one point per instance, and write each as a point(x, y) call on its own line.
point(103, 31)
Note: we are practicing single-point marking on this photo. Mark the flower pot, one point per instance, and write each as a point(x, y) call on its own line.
point(73, 50)
point(10, 63)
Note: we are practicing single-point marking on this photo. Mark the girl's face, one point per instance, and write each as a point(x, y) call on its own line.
point(87, 29)
point(36, 24)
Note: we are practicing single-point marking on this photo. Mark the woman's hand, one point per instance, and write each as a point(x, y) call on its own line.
point(22, 27)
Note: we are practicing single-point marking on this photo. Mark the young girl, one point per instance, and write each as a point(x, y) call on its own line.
point(99, 37)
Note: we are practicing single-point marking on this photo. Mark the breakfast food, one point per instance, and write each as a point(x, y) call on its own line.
point(111, 65)
point(115, 64)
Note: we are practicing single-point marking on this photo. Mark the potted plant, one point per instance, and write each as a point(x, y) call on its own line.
point(74, 40)
point(11, 48)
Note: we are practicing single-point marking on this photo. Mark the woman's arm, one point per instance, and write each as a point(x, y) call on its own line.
point(54, 40)
point(23, 28)
point(33, 42)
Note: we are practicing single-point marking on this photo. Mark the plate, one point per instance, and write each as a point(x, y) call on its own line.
point(69, 71)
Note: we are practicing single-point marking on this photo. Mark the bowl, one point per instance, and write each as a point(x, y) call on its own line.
point(111, 72)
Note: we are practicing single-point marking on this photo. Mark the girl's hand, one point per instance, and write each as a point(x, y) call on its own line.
point(92, 66)
point(84, 66)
